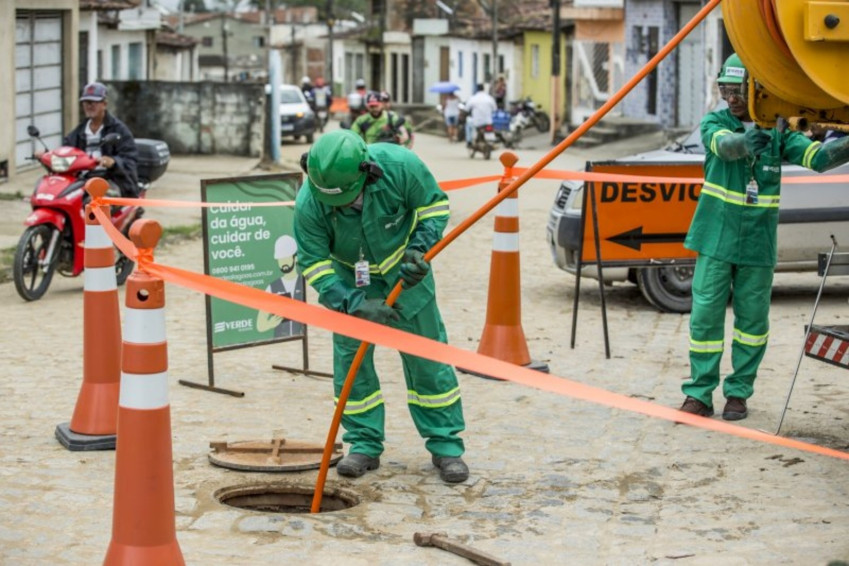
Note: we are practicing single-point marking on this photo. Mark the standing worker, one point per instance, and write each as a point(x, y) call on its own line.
point(364, 219)
point(734, 232)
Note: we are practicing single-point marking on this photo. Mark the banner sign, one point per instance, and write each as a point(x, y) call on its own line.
point(253, 246)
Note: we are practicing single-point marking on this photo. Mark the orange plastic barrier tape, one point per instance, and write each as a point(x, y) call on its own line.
point(186, 203)
point(590, 176)
point(463, 183)
point(423, 347)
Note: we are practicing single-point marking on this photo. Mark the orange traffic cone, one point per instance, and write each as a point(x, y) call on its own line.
point(95, 417)
point(503, 337)
point(143, 524)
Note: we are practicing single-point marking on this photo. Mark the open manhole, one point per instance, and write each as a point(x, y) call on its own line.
point(284, 498)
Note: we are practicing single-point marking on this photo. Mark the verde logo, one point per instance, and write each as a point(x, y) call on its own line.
point(393, 224)
point(240, 325)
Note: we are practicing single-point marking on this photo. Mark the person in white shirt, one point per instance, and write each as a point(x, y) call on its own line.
point(480, 108)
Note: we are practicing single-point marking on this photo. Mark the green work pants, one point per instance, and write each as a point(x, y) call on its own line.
point(433, 394)
point(713, 280)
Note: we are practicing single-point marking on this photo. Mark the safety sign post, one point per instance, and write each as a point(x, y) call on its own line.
point(640, 223)
point(254, 246)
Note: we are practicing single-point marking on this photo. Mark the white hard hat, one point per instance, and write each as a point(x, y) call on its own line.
point(305, 79)
point(285, 246)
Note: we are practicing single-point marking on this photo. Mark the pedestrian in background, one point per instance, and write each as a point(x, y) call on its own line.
point(499, 91)
point(734, 232)
point(451, 113)
point(364, 219)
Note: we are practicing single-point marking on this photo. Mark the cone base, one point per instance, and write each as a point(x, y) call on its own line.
point(126, 555)
point(83, 442)
point(534, 365)
point(96, 411)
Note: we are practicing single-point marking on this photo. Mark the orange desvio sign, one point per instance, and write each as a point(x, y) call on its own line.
point(640, 220)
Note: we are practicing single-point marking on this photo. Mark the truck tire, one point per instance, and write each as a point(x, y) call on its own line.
point(667, 288)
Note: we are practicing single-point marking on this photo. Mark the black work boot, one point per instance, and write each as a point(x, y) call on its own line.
point(735, 409)
point(695, 407)
point(354, 465)
point(451, 470)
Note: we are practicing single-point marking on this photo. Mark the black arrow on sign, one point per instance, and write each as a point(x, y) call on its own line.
point(635, 238)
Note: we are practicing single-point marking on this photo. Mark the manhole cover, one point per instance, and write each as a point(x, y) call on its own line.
point(276, 455)
point(284, 498)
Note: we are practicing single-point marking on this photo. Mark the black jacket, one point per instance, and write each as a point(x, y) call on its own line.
point(125, 171)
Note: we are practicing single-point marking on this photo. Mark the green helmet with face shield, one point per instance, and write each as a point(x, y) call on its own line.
point(733, 71)
point(334, 166)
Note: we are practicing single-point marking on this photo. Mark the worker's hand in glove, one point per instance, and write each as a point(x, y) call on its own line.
point(757, 140)
point(376, 310)
point(413, 268)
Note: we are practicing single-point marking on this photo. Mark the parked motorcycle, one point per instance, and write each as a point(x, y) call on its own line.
point(54, 238)
point(509, 129)
point(484, 142)
point(532, 113)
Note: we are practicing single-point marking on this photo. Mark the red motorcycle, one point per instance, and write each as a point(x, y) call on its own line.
point(54, 239)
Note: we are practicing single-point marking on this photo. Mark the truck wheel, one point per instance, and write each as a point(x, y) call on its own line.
point(667, 288)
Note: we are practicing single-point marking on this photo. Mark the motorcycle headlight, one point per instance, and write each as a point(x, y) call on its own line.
point(61, 164)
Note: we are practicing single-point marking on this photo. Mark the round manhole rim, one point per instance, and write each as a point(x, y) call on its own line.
point(333, 498)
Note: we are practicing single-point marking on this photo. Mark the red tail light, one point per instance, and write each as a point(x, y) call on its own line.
point(488, 128)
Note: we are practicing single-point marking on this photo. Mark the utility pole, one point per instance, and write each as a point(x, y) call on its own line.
point(494, 40)
point(224, 33)
point(330, 23)
point(555, 69)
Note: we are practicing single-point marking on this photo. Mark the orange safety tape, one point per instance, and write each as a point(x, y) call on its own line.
point(186, 203)
point(463, 183)
point(593, 176)
point(430, 349)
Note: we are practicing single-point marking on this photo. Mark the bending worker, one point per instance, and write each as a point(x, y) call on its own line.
point(734, 232)
point(364, 218)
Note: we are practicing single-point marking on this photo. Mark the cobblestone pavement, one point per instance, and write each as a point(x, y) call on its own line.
point(554, 480)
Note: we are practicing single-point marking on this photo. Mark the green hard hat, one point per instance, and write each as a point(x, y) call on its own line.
point(732, 71)
point(334, 167)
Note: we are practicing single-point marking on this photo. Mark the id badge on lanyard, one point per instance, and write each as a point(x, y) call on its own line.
point(362, 277)
point(752, 192)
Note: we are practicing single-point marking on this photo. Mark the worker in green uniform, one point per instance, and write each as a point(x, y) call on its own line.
point(379, 124)
point(734, 232)
point(364, 219)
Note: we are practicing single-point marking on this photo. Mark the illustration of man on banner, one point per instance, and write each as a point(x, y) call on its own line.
point(289, 284)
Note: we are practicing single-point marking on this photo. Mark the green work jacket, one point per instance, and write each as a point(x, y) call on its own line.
point(726, 226)
point(384, 128)
point(404, 209)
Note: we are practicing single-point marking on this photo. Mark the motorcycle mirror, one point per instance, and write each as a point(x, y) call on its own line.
point(33, 131)
point(111, 139)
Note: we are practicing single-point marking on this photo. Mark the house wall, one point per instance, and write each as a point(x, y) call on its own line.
point(112, 42)
point(70, 82)
point(536, 70)
point(174, 64)
point(204, 118)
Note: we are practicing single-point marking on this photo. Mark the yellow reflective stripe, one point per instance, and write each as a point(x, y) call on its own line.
point(372, 267)
point(755, 340)
point(439, 208)
point(706, 346)
point(810, 153)
point(362, 405)
point(394, 258)
point(731, 197)
point(715, 138)
point(433, 401)
point(318, 270)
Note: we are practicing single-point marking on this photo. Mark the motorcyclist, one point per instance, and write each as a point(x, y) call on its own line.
point(357, 100)
point(118, 162)
point(479, 107)
point(379, 125)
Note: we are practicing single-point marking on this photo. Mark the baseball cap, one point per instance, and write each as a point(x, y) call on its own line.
point(384, 96)
point(373, 99)
point(94, 91)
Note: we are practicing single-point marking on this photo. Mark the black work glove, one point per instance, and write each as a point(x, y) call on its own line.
point(413, 268)
point(757, 140)
point(375, 310)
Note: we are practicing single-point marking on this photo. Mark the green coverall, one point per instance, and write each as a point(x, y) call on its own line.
point(404, 209)
point(736, 242)
point(384, 128)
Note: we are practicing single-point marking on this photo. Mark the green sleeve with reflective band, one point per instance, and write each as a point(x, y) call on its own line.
point(430, 203)
point(830, 155)
point(312, 234)
point(728, 145)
